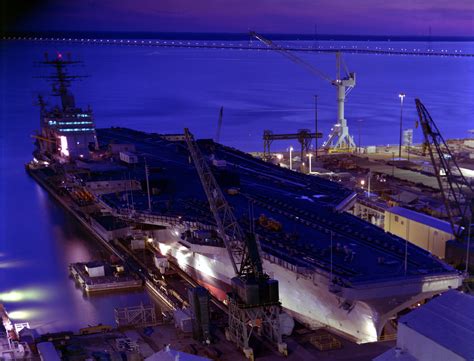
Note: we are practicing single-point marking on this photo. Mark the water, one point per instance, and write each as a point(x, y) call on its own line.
point(165, 90)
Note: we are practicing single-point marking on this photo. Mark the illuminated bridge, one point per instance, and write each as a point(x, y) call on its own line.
point(241, 45)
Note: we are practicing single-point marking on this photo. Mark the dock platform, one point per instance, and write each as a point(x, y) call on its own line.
point(109, 279)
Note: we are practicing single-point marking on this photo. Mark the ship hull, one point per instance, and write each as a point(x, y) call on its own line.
point(307, 302)
point(357, 314)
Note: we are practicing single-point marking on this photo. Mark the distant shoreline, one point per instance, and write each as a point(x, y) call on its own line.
point(236, 36)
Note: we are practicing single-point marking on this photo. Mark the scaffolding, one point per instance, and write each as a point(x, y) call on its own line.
point(142, 315)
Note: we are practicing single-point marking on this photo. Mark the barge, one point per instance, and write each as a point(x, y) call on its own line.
point(99, 277)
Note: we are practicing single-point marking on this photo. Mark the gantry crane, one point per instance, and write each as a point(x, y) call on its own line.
point(253, 303)
point(456, 192)
point(303, 136)
point(339, 137)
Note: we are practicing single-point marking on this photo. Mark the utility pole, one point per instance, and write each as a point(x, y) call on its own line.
point(406, 247)
point(401, 96)
point(291, 158)
point(368, 184)
point(393, 164)
point(468, 248)
point(359, 138)
point(316, 126)
point(147, 173)
point(359, 141)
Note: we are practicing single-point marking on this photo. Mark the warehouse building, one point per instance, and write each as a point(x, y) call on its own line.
point(425, 231)
point(440, 330)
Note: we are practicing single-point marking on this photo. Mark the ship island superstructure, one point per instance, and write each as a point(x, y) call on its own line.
point(66, 129)
point(334, 270)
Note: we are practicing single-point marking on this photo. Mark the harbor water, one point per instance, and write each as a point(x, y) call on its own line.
point(164, 90)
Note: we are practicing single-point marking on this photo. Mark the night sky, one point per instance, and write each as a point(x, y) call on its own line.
point(358, 17)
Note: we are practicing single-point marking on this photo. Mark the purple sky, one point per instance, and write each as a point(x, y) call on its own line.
point(373, 17)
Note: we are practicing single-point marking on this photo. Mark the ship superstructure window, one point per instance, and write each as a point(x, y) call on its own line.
point(73, 123)
point(76, 129)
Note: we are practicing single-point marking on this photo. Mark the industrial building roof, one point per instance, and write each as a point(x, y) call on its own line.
point(448, 321)
point(422, 218)
point(305, 206)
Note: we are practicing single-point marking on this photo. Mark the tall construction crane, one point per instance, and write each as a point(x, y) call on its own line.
point(456, 192)
point(254, 301)
point(339, 137)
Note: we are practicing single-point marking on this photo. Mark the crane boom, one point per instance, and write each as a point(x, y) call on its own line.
point(242, 250)
point(43, 138)
point(291, 56)
point(250, 303)
point(455, 189)
point(339, 136)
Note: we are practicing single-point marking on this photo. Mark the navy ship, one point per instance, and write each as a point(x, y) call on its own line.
point(334, 270)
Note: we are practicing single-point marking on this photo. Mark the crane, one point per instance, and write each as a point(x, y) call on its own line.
point(339, 137)
point(219, 125)
point(456, 192)
point(303, 136)
point(253, 302)
point(49, 140)
point(45, 143)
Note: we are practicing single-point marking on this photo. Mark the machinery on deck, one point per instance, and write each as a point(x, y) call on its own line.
point(253, 303)
point(456, 191)
point(339, 137)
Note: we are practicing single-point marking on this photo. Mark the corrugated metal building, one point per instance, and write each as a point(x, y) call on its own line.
point(425, 231)
point(441, 330)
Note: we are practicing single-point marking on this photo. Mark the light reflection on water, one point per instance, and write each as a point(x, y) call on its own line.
point(38, 288)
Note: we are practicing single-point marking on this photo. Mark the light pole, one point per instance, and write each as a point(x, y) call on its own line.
point(401, 96)
point(147, 174)
point(310, 156)
point(291, 158)
point(368, 184)
point(358, 126)
point(316, 125)
point(393, 164)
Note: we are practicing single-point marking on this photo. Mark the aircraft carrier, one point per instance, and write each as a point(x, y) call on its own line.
point(334, 269)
